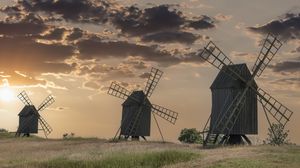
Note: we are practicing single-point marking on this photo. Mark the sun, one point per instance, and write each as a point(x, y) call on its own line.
point(6, 94)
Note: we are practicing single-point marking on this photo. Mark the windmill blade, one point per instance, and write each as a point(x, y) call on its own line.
point(24, 98)
point(152, 81)
point(118, 91)
point(45, 126)
point(46, 103)
point(165, 113)
point(280, 112)
point(269, 48)
point(213, 55)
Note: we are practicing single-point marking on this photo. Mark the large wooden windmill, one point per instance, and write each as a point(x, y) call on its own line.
point(235, 94)
point(30, 118)
point(137, 109)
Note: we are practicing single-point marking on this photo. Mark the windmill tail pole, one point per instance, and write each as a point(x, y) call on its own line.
point(162, 137)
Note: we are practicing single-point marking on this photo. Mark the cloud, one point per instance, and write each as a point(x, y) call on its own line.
point(98, 49)
point(84, 11)
point(41, 37)
point(29, 25)
point(144, 75)
point(286, 66)
point(163, 24)
point(55, 34)
point(171, 37)
point(293, 83)
point(92, 85)
point(288, 27)
point(204, 22)
point(24, 54)
point(75, 34)
point(134, 21)
point(222, 17)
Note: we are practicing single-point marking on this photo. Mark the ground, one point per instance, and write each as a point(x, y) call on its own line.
point(92, 152)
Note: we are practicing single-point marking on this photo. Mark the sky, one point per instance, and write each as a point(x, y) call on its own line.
point(75, 49)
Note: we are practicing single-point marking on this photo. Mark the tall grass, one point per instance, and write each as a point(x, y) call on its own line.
point(122, 160)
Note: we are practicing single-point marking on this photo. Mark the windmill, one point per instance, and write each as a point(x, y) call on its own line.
point(235, 94)
point(137, 109)
point(30, 118)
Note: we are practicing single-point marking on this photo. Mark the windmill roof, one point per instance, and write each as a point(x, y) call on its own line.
point(134, 97)
point(28, 110)
point(223, 80)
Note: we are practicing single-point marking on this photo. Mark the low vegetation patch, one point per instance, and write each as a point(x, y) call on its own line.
point(267, 157)
point(124, 160)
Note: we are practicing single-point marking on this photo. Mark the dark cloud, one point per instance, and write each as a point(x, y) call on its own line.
point(203, 22)
point(287, 28)
point(75, 34)
point(162, 23)
point(55, 34)
point(29, 25)
point(134, 21)
point(287, 66)
point(162, 20)
point(71, 10)
point(171, 37)
point(97, 49)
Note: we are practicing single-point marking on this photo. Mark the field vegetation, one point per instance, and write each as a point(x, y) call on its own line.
point(77, 152)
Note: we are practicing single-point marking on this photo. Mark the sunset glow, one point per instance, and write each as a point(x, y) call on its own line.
point(6, 94)
point(75, 49)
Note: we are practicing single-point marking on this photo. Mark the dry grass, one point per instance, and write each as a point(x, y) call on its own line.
point(42, 153)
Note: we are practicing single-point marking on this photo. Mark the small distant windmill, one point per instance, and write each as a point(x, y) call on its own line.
point(137, 109)
point(29, 117)
point(234, 96)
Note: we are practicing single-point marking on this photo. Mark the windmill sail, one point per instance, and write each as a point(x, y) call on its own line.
point(46, 103)
point(118, 91)
point(24, 98)
point(269, 48)
point(152, 81)
point(165, 113)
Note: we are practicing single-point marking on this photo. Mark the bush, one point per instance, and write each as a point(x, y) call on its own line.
point(190, 135)
point(68, 136)
point(277, 135)
point(2, 130)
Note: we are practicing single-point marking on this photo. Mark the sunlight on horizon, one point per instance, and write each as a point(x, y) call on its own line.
point(6, 93)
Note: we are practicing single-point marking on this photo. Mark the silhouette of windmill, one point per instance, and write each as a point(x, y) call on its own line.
point(30, 118)
point(234, 96)
point(137, 109)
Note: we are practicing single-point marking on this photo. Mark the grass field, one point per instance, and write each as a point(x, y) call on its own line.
point(92, 152)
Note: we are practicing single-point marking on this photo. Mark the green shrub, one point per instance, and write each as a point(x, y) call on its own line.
point(277, 135)
point(190, 135)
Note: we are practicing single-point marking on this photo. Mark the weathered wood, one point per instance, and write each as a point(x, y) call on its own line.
point(130, 108)
point(224, 89)
point(28, 120)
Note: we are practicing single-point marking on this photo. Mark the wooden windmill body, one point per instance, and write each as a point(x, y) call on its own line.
point(224, 89)
point(130, 110)
point(28, 120)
